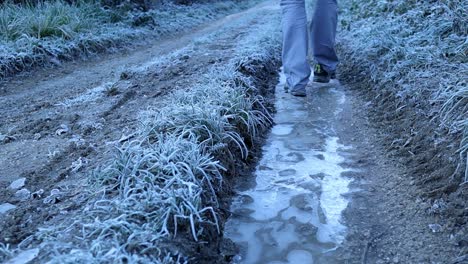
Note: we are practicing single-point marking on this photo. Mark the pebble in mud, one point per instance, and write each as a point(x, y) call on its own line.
point(17, 184)
point(23, 194)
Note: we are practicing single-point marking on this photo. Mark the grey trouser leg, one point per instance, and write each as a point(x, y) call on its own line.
point(294, 24)
point(323, 32)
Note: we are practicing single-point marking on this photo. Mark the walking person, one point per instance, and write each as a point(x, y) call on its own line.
point(295, 43)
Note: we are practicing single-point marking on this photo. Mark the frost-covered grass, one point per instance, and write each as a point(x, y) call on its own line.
point(48, 19)
point(55, 30)
point(419, 51)
point(164, 182)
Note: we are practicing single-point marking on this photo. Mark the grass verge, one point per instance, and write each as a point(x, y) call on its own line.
point(409, 59)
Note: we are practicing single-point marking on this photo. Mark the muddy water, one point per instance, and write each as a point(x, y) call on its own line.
point(293, 213)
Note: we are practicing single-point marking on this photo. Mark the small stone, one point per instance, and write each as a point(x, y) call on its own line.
point(37, 194)
point(37, 136)
point(23, 194)
point(17, 184)
point(435, 228)
point(62, 130)
point(6, 207)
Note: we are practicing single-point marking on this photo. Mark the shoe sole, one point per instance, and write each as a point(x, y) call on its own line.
point(321, 79)
point(299, 94)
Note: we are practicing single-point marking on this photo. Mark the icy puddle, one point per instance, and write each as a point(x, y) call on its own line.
point(293, 214)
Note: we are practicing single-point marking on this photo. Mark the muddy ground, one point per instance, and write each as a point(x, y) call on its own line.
point(57, 126)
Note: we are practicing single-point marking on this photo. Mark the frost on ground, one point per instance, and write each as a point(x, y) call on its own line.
point(409, 59)
point(418, 53)
point(164, 181)
point(55, 31)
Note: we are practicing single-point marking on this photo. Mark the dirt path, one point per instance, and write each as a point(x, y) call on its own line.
point(58, 125)
point(326, 191)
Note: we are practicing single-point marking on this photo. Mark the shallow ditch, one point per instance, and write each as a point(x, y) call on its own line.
point(292, 214)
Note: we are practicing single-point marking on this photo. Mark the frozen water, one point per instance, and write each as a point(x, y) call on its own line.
point(300, 256)
point(282, 130)
point(303, 186)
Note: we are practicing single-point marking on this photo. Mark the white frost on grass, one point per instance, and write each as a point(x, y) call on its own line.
point(417, 52)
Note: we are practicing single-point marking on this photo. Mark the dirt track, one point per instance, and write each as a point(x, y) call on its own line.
point(58, 125)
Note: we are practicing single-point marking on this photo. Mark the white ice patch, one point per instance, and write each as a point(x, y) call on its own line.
point(282, 130)
point(300, 256)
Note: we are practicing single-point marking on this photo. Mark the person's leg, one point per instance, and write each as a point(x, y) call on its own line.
point(323, 32)
point(294, 24)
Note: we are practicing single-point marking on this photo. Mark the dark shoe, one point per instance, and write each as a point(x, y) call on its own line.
point(321, 75)
point(299, 93)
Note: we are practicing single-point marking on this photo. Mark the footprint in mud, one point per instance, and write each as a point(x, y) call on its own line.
point(293, 157)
